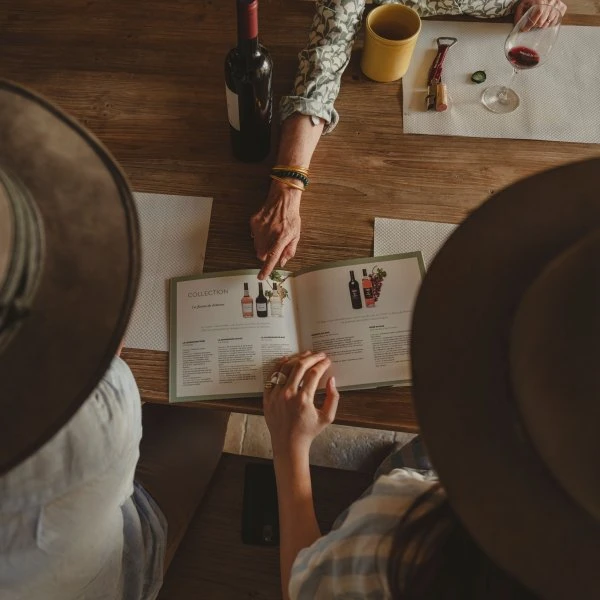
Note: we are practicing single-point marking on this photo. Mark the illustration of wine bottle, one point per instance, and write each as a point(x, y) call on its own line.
point(247, 303)
point(367, 286)
point(276, 303)
point(261, 302)
point(354, 292)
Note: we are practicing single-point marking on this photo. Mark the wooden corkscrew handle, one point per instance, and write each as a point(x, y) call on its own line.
point(441, 97)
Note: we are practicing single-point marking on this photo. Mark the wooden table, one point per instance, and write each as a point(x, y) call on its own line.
point(147, 79)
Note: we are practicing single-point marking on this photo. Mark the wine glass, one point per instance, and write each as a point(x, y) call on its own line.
point(527, 46)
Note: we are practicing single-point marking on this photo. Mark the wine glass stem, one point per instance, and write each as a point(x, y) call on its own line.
point(503, 93)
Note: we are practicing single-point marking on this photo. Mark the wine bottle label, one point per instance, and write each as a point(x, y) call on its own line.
point(261, 306)
point(233, 108)
point(247, 310)
point(355, 297)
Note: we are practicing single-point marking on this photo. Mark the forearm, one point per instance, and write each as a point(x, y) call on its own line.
point(299, 138)
point(298, 526)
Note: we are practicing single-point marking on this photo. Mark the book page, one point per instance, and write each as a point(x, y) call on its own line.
point(226, 336)
point(359, 313)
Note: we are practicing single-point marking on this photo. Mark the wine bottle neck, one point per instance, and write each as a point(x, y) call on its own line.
point(248, 47)
point(247, 26)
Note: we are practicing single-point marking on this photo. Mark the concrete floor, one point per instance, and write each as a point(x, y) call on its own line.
point(339, 446)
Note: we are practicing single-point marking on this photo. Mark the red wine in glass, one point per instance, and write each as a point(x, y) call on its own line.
point(527, 46)
point(522, 57)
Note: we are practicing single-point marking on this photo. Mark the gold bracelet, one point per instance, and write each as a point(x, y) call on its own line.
point(303, 170)
point(288, 183)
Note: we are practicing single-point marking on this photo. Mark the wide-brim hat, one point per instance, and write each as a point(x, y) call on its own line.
point(506, 368)
point(69, 267)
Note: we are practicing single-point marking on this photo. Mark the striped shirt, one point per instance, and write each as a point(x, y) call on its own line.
point(327, 53)
point(352, 560)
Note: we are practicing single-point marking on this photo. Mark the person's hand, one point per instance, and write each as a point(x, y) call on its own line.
point(544, 17)
point(290, 412)
point(276, 227)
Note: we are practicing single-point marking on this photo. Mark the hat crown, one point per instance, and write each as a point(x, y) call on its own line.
point(21, 254)
point(6, 237)
point(555, 369)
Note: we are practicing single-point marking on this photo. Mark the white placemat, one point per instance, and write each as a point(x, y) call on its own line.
point(174, 231)
point(394, 236)
point(559, 99)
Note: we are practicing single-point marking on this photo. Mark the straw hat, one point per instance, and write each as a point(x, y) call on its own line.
point(506, 367)
point(69, 266)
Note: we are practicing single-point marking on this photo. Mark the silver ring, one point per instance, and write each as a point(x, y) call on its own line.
point(278, 378)
point(268, 385)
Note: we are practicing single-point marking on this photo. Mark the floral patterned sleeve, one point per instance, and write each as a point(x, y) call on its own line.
point(323, 61)
point(327, 53)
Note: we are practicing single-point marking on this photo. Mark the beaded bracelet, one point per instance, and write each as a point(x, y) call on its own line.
point(291, 174)
point(288, 183)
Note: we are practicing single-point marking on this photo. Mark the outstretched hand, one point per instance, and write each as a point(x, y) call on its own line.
point(276, 228)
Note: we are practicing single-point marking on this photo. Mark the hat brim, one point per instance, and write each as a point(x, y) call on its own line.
point(495, 480)
point(90, 271)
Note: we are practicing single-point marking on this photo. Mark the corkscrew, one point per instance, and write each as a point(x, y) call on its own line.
point(437, 94)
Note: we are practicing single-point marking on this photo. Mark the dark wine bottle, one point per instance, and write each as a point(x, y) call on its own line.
point(261, 302)
point(248, 86)
point(354, 292)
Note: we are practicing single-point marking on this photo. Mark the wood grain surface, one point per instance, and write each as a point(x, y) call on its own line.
point(213, 564)
point(147, 79)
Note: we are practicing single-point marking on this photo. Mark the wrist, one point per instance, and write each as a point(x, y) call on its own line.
point(292, 457)
point(289, 195)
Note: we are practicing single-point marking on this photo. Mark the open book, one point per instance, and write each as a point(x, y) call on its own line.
point(228, 329)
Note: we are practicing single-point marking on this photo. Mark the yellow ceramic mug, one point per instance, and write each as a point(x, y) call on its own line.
point(390, 38)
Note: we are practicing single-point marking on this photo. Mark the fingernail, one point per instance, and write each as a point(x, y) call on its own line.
point(283, 261)
point(333, 381)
